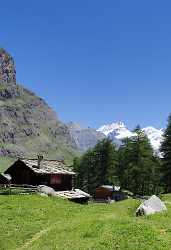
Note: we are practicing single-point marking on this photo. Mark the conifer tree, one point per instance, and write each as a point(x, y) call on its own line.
point(133, 166)
point(136, 168)
point(166, 154)
point(97, 166)
point(106, 160)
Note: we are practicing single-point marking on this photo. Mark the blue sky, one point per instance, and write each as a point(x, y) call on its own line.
point(93, 61)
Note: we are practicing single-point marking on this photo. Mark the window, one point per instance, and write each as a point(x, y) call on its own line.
point(55, 179)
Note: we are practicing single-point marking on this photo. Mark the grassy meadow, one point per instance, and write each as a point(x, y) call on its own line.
point(44, 223)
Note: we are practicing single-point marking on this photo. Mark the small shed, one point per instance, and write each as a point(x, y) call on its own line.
point(40, 171)
point(5, 179)
point(109, 192)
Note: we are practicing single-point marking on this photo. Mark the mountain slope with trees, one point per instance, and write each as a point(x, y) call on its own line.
point(133, 166)
point(138, 167)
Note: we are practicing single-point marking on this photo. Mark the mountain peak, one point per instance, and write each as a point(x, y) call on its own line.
point(74, 125)
point(108, 128)
point(7, 67)
point(118, 131)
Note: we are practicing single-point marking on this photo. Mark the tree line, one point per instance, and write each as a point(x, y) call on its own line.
point(134, 165)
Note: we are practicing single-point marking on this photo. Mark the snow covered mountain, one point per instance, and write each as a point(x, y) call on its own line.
point(155, 136)
point(118, 131)
point(86, 138)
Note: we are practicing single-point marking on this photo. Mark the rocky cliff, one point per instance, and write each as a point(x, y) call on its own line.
point(7, 68)
point(85, 138)
point(27, 124)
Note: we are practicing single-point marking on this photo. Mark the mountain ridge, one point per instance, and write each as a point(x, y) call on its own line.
point(85, 138)
point(28, 125)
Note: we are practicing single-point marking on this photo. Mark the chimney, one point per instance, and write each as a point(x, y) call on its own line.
point(39, 159)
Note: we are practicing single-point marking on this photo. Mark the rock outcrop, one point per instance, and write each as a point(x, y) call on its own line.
point(7, 68)
point(151, 206)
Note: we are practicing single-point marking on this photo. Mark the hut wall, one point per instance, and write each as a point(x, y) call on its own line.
point(102, 193)
point(21, 174)
point(60, 182)
point(118, 195)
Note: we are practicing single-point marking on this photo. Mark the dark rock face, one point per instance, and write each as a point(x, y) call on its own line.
point(7, 68)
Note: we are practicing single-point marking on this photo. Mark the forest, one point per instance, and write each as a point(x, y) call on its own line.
point(134, 165)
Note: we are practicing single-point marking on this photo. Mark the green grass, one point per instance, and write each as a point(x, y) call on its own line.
point(43, 223)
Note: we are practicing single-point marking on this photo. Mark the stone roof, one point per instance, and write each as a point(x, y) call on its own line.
point(48, 167)
point(6, 176)
point(72, 194)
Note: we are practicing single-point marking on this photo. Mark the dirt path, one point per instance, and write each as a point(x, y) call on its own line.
point(35, 237)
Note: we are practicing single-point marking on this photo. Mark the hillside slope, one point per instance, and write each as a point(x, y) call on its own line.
point(27, 124)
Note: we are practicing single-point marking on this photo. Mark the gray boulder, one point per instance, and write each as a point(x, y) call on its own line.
point(151, 206)
point(44, 195)
point(46, 190)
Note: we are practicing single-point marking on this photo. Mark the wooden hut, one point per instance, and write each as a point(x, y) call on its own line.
point(108, 192)
point(40, 171)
